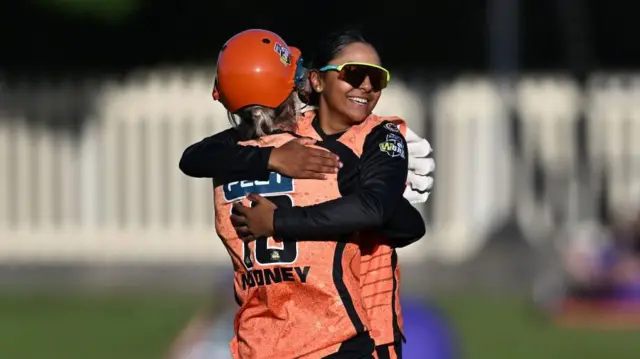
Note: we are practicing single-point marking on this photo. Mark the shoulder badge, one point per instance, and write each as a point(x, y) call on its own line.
point(392, 127)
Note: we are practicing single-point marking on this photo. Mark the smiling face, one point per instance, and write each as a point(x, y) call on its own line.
point(347, 104)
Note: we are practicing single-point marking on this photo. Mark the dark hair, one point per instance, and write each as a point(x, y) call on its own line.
point(331, 46)
point(328, 49)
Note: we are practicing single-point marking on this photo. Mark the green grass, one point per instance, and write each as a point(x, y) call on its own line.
point(510, 328)
point(141, 326)
point(90, 326)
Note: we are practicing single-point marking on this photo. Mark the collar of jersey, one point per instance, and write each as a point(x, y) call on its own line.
point(279, 132)
point(316, 126)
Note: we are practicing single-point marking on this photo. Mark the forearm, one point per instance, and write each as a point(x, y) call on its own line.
point(382, 176)
point(221, 158)
point(338, 217)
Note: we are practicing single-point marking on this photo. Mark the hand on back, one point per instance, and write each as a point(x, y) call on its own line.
point(296, 159)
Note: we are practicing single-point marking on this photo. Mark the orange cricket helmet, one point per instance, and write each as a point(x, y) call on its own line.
point(296, 54)
point(255, 67)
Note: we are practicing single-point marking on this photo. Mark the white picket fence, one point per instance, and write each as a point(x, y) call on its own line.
point(112, 192)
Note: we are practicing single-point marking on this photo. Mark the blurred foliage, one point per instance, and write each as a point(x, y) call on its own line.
point(104, 10)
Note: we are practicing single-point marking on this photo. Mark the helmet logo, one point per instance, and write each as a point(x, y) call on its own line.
point(284, 53)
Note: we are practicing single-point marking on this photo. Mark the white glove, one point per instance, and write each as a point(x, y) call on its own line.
point(420, 168)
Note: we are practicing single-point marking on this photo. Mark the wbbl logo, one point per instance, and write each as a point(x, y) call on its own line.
point(393, 146)
point(277, 184)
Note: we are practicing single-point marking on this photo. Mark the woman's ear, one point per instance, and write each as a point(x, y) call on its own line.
point(316, 81)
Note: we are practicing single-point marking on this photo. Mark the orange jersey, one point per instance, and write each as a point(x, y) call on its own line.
point(388, 351)
point(299, 299)
point(380, 273)
point(380, 286)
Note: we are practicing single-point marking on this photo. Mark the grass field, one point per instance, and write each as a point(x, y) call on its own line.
point(141, 326)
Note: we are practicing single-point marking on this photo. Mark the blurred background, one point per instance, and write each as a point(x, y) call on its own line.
point(532, 106)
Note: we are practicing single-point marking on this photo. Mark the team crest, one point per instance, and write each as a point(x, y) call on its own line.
point(275, 256)
point(392, 127)
point(284, 53)
point(393, 146)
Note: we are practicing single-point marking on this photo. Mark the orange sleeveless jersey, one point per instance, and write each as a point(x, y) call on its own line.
point(298, 299)
point(380, 273)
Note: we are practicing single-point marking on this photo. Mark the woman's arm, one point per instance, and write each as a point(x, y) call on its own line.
point(220, 157)
point(383, 173)
point(405, 226)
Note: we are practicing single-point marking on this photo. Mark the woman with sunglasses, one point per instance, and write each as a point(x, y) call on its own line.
point(286, 287)
point(218, 156)
point(367, 70)
point(347, 80)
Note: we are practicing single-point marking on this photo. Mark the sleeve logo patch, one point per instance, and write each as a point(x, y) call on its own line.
point(392, 127)
point(393, 146)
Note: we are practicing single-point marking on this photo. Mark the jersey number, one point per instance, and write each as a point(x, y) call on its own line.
point(287, 253)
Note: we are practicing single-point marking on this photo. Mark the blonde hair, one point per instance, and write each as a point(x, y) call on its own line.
point(256, 121)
